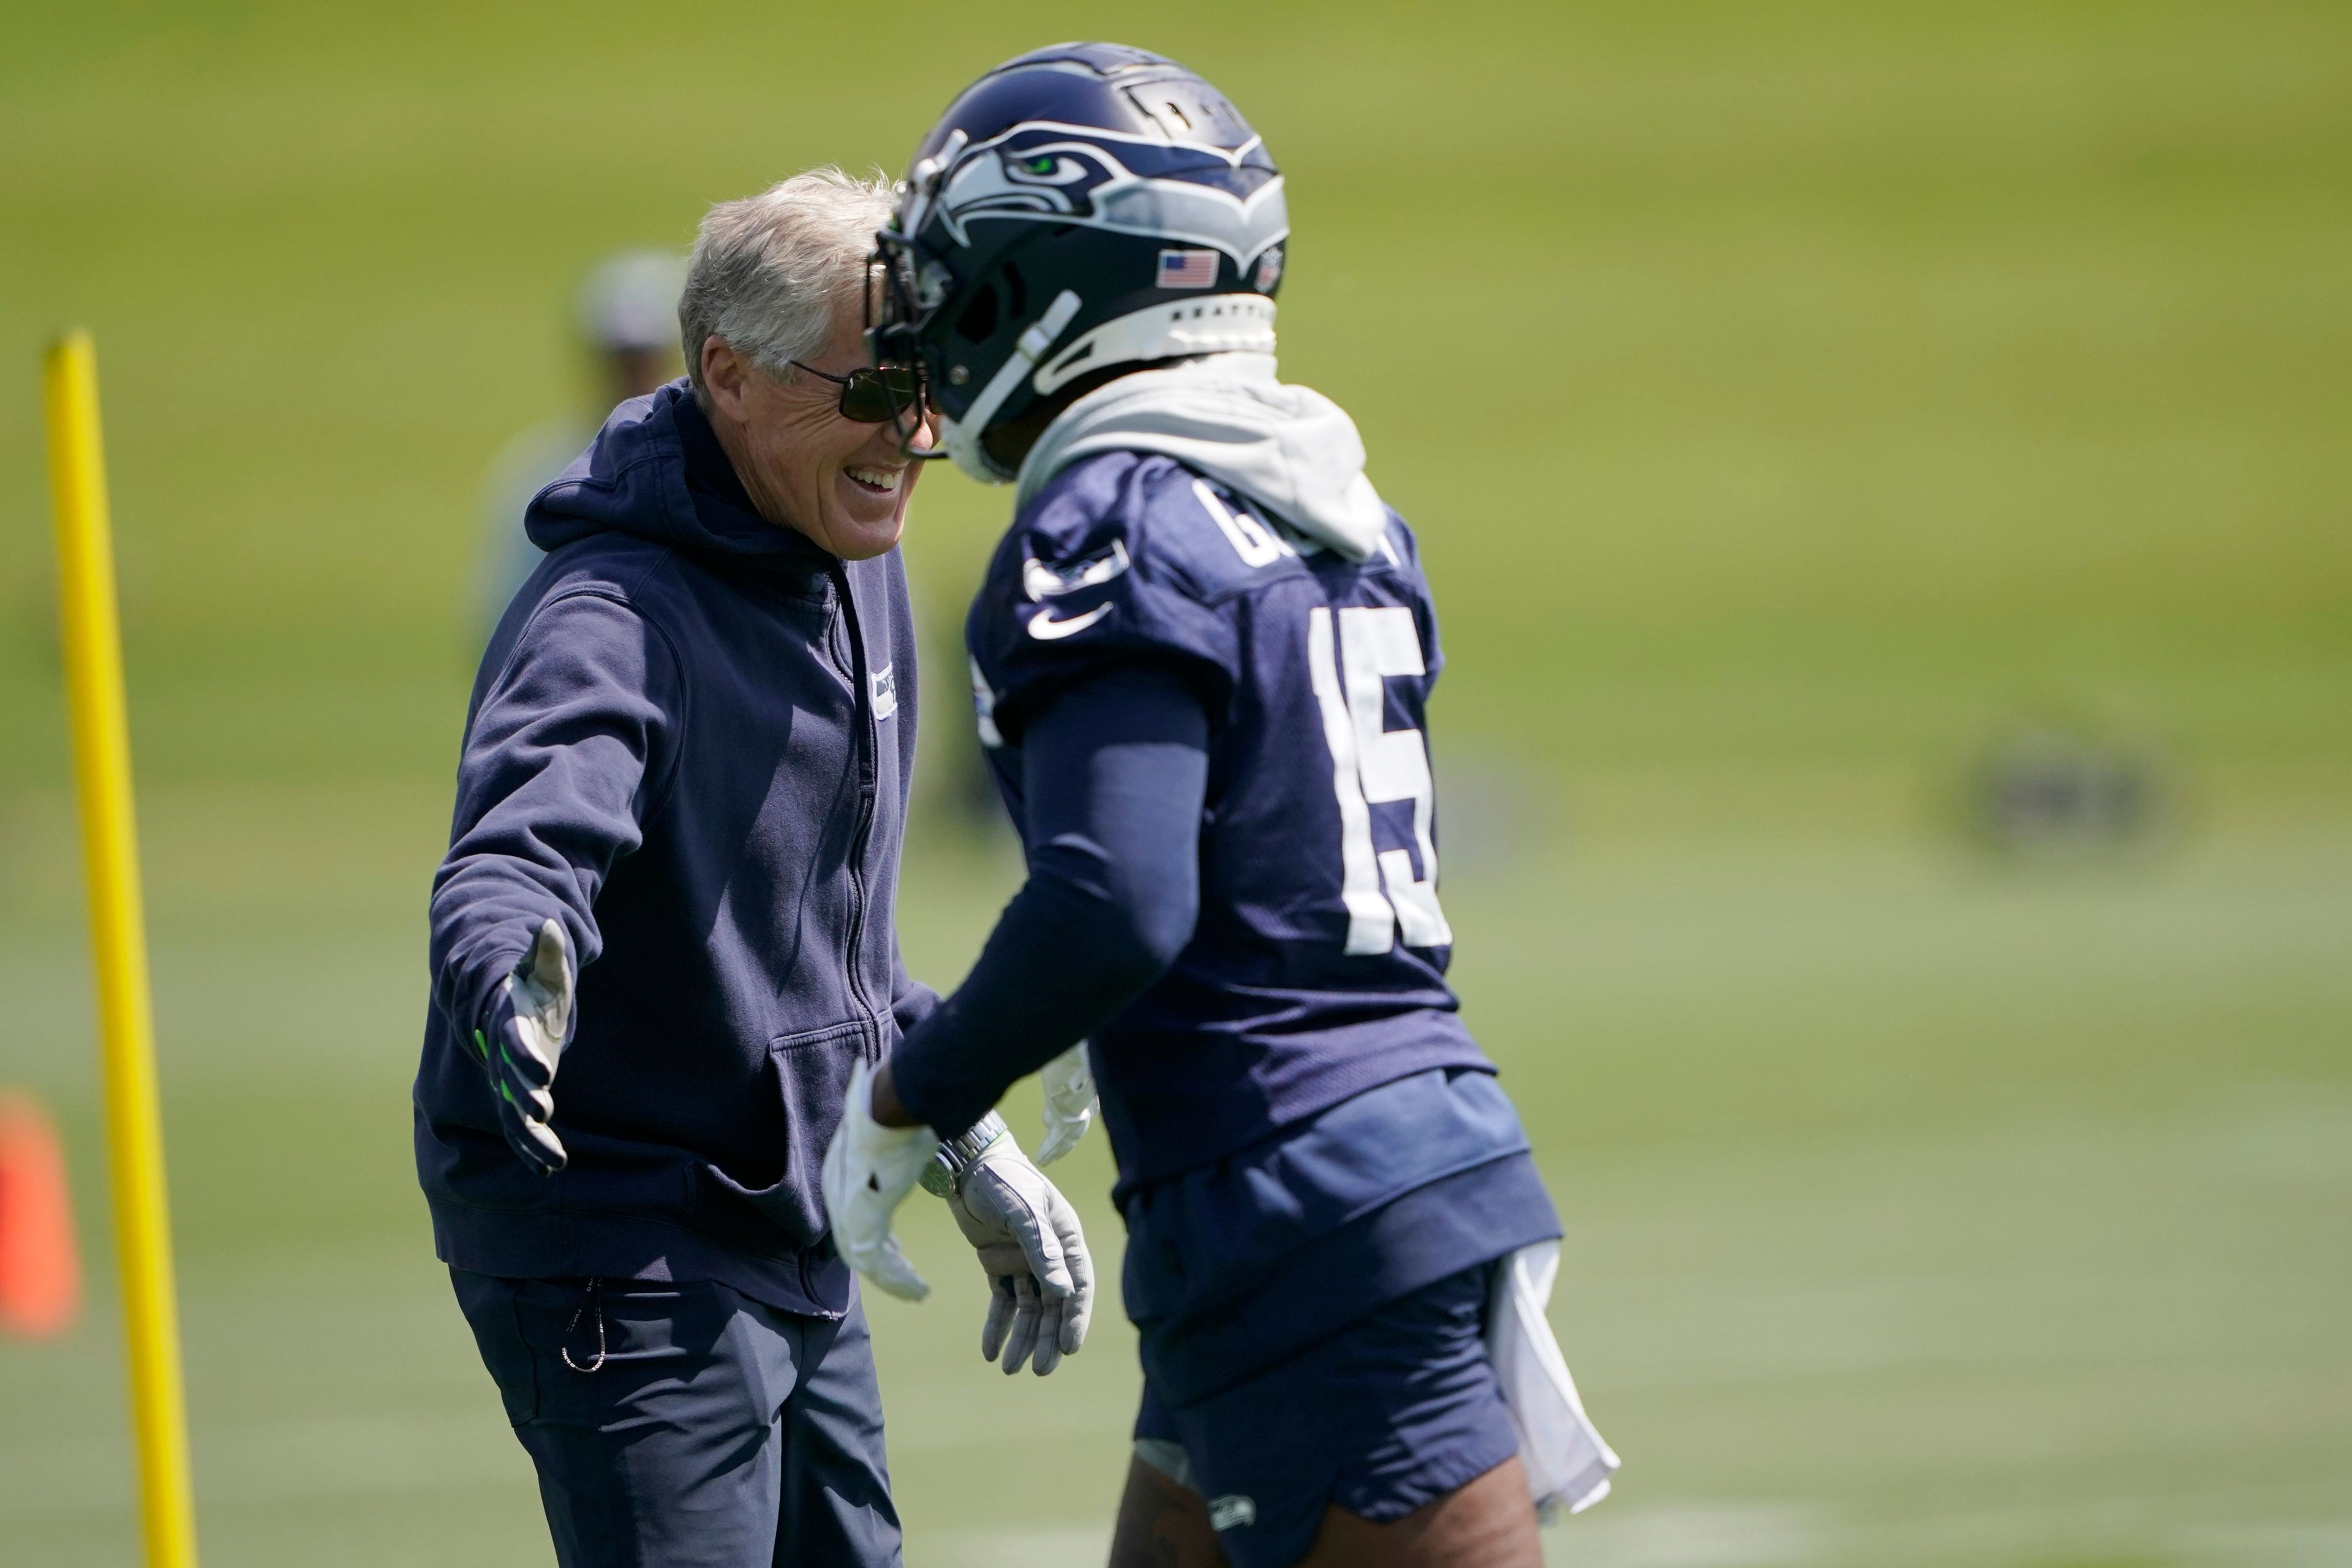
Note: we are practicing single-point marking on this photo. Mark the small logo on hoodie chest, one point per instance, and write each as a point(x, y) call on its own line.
point(885, 693)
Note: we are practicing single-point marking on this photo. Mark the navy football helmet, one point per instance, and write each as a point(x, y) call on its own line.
point(1079, 207)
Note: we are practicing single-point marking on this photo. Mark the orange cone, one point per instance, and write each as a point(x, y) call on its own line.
point(40, 1278)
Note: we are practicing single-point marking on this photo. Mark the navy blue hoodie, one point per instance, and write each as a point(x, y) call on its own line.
point(690, 742)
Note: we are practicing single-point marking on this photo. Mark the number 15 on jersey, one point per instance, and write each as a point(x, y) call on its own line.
point(1373, 764)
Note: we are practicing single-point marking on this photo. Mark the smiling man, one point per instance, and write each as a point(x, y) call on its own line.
point(671, 874)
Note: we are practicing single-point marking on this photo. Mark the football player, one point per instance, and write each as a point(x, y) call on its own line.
point(1201, 658)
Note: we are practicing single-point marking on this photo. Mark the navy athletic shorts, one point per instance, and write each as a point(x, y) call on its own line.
point(685, 1425)
point(1390, 1412)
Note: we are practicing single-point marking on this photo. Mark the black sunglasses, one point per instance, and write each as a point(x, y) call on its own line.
point(874, 394)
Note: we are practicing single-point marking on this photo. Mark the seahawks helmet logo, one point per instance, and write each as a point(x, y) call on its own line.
point(1180, 192)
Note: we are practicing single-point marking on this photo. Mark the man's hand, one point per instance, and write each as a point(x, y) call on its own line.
point(523, 1030)
point(1041, 1282)
point(1069, 1085)
point(869, 1169)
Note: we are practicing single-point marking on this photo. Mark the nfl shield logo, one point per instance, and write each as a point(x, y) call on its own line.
point(1188, 270)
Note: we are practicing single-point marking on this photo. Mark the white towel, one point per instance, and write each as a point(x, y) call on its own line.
point(1567, 1462)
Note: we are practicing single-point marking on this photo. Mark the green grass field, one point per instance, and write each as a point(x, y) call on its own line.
point(1787, 397)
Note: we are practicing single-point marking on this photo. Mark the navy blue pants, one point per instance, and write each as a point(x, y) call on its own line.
point(686, 1426)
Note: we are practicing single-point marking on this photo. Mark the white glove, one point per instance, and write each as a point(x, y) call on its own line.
point(868, 1170)
point(1068, 1082)
point(1041, 1281)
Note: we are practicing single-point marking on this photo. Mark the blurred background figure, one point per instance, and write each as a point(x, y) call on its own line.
point(627, 314)
point(2059, 788)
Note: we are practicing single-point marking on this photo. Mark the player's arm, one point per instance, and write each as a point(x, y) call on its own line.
point(551, 787)
point(1115, 772)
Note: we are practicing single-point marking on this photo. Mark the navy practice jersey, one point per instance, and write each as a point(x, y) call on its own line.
point(1317, 967)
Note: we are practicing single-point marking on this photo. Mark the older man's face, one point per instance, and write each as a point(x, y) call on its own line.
point(843, 484)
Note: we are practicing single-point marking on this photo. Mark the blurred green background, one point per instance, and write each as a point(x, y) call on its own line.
point(1790, 399)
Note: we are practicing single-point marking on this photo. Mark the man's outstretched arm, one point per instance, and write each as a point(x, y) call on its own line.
point(561, 758)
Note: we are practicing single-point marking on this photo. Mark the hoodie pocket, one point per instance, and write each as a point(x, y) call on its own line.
point(809, 1074)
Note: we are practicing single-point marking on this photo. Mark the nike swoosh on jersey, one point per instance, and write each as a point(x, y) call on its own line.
point(1044, 626)
point(1043, 582)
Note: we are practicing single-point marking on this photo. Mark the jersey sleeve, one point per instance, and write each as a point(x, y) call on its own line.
point(1405, 545)
point(1101, 572)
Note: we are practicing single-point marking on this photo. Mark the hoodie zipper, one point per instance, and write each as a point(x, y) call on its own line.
point(869, 750)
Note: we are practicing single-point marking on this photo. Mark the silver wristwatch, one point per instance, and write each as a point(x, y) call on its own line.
point(959, 1153)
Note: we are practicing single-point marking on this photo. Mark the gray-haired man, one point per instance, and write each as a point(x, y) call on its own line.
point(672, 871)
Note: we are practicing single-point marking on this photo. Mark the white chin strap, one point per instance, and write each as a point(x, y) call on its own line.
point(1221, 323)
point(962, 436)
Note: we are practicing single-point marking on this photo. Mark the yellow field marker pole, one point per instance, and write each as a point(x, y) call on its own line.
point(134, 1124)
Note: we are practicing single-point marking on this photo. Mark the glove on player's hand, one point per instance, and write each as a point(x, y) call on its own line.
point(1041, 1281)
point(523, 1029)
point(869, 1169)
point(1069, 1085)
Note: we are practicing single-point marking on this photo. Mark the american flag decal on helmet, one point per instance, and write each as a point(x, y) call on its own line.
point(1188, 270)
